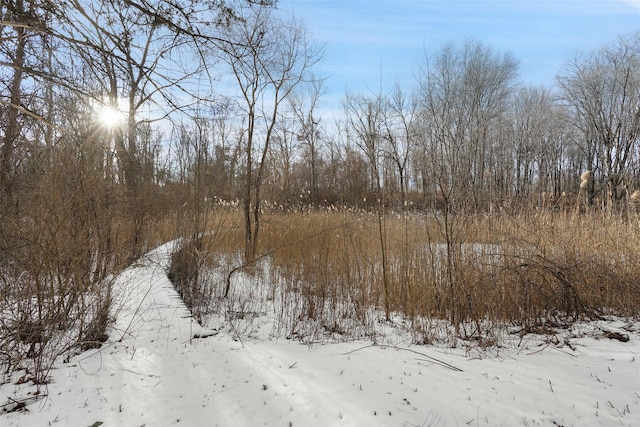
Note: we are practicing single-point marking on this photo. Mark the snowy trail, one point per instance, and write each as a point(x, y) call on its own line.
point(152, 373)
point(155, 374)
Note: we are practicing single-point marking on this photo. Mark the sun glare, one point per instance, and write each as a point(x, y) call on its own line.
point(110, 117)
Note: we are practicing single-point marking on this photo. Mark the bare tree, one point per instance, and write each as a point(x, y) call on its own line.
point(15, 35)
point(463, 93)
point(283, 160)
point(128, 52)
point(400, 133)
point(447, 167)
point(537, 144)
point(602, 90)
point(268, 58)
point(365, 117)
point(304, 104)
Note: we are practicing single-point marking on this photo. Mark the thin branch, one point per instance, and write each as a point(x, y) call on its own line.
point(430, 358)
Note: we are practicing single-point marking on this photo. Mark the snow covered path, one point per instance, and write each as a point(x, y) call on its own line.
point(153, 373)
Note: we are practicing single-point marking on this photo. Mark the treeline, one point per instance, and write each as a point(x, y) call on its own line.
point(470, 132)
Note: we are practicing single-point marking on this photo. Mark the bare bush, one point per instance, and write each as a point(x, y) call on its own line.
point(63, 245)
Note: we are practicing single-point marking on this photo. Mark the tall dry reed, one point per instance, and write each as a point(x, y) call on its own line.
point(519, 271)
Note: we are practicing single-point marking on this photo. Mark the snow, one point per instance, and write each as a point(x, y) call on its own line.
point(153, 372)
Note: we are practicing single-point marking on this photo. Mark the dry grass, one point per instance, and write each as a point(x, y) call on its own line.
point(524, 271)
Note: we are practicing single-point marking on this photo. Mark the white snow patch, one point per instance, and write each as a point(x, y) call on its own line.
point(153, 372)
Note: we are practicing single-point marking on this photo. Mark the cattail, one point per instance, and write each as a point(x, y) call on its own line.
point(584, 183)
point(635, 196)
point(586, 176)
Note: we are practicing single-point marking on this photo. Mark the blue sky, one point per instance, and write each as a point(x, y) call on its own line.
point(373, 41)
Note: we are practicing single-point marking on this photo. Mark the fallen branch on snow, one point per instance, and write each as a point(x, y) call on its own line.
point(429, 358)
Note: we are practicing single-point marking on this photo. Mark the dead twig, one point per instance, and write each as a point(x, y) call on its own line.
point(19, 404)
point(429, 358)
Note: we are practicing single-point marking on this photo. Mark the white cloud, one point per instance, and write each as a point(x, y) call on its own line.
point(634, 3)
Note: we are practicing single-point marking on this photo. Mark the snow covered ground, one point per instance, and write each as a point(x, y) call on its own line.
point(153, 372)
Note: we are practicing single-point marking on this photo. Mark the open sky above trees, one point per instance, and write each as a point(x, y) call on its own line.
point(384, 41)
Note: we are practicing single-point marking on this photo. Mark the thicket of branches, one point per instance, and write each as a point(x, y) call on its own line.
point(80, 199)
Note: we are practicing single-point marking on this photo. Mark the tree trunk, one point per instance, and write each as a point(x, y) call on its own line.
point(12, 128)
